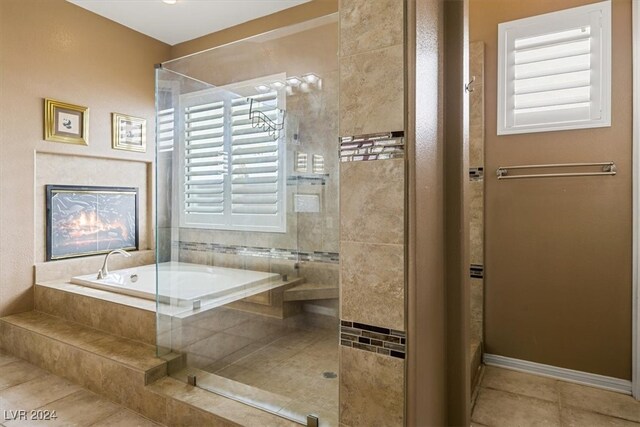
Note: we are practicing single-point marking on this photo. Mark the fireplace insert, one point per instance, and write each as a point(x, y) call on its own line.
point(85, 220)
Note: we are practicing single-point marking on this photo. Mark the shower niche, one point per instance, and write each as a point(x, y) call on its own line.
point(247, 214)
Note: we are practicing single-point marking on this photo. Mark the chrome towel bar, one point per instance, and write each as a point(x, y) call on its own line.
point(608, 168)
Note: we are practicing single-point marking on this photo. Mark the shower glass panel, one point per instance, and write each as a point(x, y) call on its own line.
point(248, 220)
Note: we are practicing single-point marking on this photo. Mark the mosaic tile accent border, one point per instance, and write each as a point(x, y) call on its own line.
point(477, 271)
point(376, 339)
point(476, 174)
point(318, 179)
point(378, 146)
point(289, 254)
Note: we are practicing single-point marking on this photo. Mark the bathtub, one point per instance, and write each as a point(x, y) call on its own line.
point(183, 283)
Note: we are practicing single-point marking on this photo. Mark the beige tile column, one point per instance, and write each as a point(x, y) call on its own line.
point(476, 196)
point(372, 200)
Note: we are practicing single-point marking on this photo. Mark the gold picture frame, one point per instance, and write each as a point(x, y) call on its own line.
point(128, 133)
point(64, 122)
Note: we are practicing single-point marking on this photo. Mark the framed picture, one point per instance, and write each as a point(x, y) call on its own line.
point(65, 122)
point(129, 133)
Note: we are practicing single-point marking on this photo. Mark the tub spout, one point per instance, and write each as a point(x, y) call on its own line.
point(104, 272)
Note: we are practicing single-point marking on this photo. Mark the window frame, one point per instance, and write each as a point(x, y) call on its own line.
point(232, 222)
point(559, 21)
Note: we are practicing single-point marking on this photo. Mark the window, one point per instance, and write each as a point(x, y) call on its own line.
point(554, 71)
point(233, 172)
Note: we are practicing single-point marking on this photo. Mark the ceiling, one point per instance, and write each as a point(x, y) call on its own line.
point(185, 20)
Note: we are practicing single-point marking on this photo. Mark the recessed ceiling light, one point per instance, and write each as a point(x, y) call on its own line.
point(170, 1)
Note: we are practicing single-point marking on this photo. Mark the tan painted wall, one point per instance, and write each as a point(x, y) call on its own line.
point(294, 15)
point(62, 169)
point(55, 49)
point(558, 251)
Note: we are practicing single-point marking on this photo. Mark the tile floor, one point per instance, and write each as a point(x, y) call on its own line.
point(510, 398)
point(288, 358)
point(294, 366)
point(25, 387)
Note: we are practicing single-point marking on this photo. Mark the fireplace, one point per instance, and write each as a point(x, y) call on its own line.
point(85, 221)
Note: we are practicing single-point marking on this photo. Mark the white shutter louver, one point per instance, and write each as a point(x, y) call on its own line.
point(254, 159)
point(554, 71)
point(234, 177)
point(205, 158)
point(165, 125)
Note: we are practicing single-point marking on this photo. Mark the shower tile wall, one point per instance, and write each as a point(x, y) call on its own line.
point(476, 187)
point(372, 209)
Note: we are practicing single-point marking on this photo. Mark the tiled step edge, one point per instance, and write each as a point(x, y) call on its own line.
point(39, 329)
point(100, 362)
point(311, 291)
point(123, 374)
point(85, 306)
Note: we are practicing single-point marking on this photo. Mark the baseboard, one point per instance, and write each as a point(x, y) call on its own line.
point(585, 378)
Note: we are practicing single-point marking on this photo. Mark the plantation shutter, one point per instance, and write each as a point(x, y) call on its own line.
point(234, 168)
point(205, 159)
point(254, 159)
point(554, 71)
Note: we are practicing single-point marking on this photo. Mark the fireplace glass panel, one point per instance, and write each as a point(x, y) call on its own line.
point(90, 220)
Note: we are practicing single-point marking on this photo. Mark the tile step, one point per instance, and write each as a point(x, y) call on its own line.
point(124, 371)
point(311, 291)
point(41, 328)
point(112, 366)
point(123, 315)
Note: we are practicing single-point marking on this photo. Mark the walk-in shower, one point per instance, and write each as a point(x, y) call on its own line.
point(247, 219)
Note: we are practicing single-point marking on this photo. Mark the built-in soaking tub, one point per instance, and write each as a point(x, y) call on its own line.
point(184, 284)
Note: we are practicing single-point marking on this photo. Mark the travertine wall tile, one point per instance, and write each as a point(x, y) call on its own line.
point(476, 186)
point(368, 25)
point(372, 290)
point(119, 319)
point(372, 201)
point(371, 389)
point(372, 91)
point(477, 303)
point(476, 105)
point(320, 273)
point(476, 223)
point(65, 269)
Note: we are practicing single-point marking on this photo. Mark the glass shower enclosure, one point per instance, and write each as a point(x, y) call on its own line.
point(247, 220)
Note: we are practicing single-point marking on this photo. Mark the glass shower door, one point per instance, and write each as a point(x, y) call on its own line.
point(247, 220)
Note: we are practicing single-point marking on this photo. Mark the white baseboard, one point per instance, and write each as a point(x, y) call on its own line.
point(579, 377)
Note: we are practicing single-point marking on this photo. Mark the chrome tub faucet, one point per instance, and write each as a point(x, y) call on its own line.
point(104, 272)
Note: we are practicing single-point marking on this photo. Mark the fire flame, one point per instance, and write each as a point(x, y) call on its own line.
point(88, 224)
